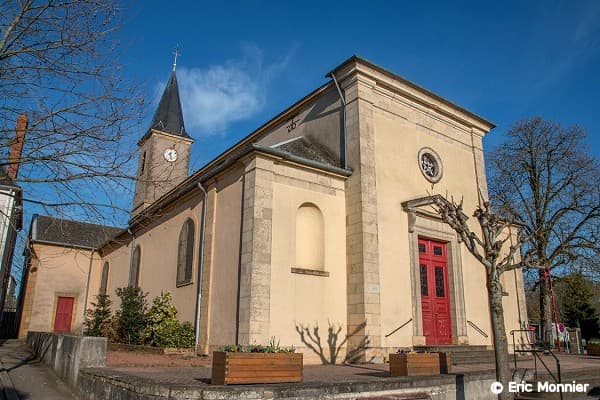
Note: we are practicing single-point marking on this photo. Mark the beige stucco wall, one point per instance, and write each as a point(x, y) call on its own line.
point(222, 258)
point(401, 128)
point(158, 242)
point(302, 300)
point(56, 271)
point(318, 121)
point(117, 256)
point(399, 179)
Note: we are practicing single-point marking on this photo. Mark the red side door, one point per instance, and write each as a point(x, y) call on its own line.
point(64, 314)
point(435, 299)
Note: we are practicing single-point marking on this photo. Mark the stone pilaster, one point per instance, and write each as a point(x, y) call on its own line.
point(362, 248)
point(479, 162)
point(208, 245)
point(255, 271)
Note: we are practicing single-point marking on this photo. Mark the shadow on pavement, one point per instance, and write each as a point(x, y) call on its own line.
point(28, 361)
point(594, 392)
point(13, 394)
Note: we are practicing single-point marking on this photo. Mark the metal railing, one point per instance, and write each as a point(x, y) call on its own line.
point(478, 329)
point(398, 328)
point(537, 356)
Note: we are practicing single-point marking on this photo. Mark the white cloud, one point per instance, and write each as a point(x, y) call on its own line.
point(216, 96)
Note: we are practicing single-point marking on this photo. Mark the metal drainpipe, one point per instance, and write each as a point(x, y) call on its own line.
point(200, 266)
point(131, 254)
point(87, 287)
point(344, 144)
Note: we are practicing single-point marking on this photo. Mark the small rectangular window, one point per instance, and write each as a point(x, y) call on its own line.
point(104, 280)
point(143, 163)
point(437, 250)
point(424, 288)
point(421, 248)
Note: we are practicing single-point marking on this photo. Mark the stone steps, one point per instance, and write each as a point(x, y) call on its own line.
point(466, 355)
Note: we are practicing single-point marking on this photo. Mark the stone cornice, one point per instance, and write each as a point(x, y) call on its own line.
point(169, 135)
point(358, 68)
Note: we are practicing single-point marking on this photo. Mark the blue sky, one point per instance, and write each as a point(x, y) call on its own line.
point(243, 62)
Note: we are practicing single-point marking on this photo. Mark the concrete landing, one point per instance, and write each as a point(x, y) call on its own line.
point(340, 382)
point(347, 382)
point(22, 377)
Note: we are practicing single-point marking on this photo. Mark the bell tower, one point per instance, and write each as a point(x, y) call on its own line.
point(164, 151)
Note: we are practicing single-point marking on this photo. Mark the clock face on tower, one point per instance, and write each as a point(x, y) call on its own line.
point(170, 155)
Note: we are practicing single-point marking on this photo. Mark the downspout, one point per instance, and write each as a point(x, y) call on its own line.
point(343, 150)
point(87, 288)
point(131, 254)
point(518, 293)
point(200, 266)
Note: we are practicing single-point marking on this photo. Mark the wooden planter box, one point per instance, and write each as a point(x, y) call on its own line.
point(232, 368)
point(413, 364)
point(593, 349)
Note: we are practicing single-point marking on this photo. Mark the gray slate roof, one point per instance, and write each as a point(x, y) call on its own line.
point(70, 233)
point(169, 116)
point(302, 147)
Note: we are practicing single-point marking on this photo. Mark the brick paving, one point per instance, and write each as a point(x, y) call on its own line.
point(120, 359)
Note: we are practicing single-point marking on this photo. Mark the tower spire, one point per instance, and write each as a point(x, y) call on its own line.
point(168, 116)
point(176, 52)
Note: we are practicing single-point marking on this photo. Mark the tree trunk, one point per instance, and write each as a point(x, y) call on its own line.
point(545, 309)
point(503, 374)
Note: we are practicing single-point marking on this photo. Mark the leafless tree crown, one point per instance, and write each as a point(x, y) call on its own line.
point(59, 64)
point(544, 178)
point(497, 244)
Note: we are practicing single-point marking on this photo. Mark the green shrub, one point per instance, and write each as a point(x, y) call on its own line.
point(272, 347)
point(131, 317)
point(186, 335)
point(98, 320)
point(163, 329)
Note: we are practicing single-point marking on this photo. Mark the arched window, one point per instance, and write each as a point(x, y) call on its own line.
point(134, 275)
point(185, 253)
point(104, 281)
point(310, 237)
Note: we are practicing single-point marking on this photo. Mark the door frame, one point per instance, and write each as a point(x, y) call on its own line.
point(425, 224)
point(431, 265)
point(73, 313)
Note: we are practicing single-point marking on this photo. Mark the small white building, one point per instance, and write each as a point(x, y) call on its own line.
point(10, 206)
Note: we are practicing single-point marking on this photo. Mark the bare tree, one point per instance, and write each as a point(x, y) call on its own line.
point(543, 177)
point(497, 248)
point(59, 65)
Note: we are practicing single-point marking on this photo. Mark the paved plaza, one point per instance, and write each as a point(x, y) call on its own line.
point(23, 377)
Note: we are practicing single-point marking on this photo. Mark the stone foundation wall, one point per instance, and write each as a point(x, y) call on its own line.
point(67, 354)
point(96, 384)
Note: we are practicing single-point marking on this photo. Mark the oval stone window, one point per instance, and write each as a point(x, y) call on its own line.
point(430, 165)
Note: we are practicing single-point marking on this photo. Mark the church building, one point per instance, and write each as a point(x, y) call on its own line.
point(317, 219)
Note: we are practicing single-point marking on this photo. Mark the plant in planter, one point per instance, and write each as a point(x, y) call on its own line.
point(593, 347)
point(256, 364)
point(419, 363)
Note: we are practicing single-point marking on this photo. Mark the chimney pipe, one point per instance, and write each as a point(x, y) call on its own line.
point(14, 155)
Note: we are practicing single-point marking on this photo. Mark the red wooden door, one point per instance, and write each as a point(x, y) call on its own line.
point(435, 299)
point(64, 314)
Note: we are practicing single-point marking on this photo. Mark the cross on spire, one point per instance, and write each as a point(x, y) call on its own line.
point(176, 52)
